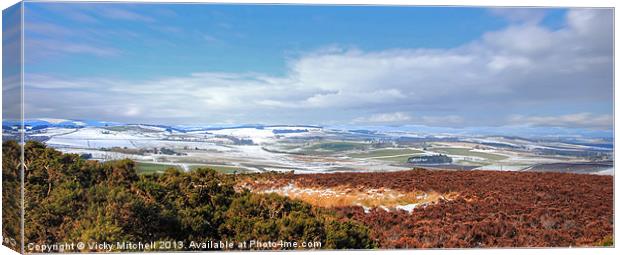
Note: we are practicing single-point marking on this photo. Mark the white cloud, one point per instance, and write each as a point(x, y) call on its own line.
point(525, 14)
point(124, 14)
point(52, 48)
point(132, 110)
point(209, 38)
point(443, 120)
point(403, 118)
point(46, 40)
point(577, 120)
point(386, 118)
point(522, 69)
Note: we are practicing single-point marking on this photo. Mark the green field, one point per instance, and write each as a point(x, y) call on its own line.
point(119, 128)
point(336, 146)
point(468, 153)
point(396, 159)
point(151, 168)
point(221, 169)
point(472, 163)
point(385, 153)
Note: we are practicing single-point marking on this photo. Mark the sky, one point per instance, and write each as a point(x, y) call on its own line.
point(320, 65)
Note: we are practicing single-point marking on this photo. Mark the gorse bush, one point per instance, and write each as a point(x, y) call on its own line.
point(70, 199)
point(11, 180)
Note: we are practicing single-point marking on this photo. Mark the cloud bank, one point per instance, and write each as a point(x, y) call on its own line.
point(523, 74)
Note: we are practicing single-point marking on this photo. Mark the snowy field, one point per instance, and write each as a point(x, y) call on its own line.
point(304, 149)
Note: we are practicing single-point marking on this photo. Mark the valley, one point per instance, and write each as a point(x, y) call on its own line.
point(316, 149)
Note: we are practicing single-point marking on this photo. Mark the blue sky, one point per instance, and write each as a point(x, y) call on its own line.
point(189, 64)
point(166, 39)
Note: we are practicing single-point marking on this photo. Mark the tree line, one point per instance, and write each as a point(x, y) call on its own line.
point(71, 199)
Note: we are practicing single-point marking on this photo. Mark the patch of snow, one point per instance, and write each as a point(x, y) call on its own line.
point(502, 167)
point(608, 171)
point(54, 121)
point(366, 209)
point(185, 167)
point(409, 207)
point(258, 136)
point(154, 128)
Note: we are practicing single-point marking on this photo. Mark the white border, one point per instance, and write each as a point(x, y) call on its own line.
point(522, 3)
